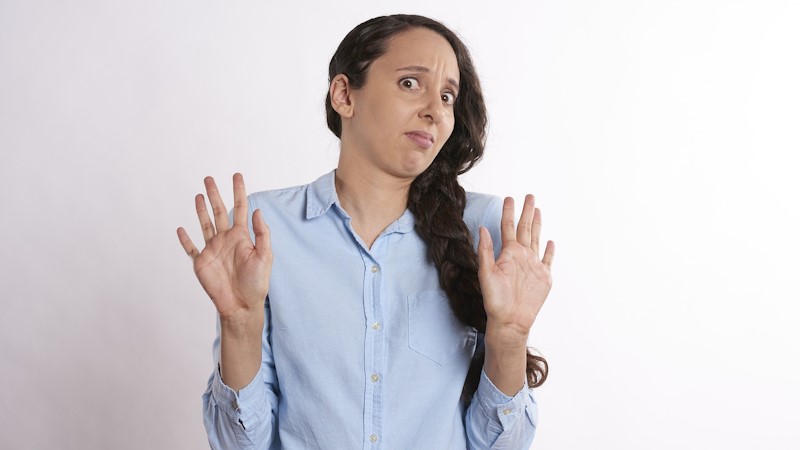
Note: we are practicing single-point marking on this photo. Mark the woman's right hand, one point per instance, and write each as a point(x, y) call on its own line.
point(234, 272)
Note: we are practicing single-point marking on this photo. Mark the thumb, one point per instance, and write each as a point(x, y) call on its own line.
point(261, 230)
point(485, 251)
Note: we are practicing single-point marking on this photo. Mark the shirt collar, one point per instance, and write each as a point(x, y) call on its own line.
point(402, 225)
point(321, 195)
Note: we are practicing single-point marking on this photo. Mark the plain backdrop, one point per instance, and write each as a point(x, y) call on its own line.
point(660, 138)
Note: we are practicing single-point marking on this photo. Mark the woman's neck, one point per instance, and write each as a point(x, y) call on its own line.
point(372, 201)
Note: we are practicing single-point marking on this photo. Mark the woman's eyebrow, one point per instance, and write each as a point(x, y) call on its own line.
point(424, 69)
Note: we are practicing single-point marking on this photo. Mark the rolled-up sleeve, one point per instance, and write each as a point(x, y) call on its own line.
point(497, 421)
point(246, 419)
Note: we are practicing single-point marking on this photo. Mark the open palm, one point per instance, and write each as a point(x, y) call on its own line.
point(515, 285)
point(234, 272)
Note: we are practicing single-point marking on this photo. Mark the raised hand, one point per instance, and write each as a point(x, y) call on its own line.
point(515, 285)
point(234, 272)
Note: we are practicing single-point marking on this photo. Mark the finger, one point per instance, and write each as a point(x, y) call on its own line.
point(507, 221)
point(186, 243)
point(205, 221)
point(217, 205)
point(485, 250)
point(549, 254)
point(525, 222)
point(261, 231)
point(537, 231)
point(239, 200)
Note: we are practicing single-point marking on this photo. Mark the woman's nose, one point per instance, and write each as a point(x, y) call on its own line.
point(434, 109)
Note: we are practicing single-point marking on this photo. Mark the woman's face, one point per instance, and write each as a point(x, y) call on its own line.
point(404, 114)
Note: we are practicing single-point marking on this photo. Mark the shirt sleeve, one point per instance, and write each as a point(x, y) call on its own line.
point(246, 419)
point(497, 421)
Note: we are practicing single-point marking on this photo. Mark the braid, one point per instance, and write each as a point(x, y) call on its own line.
point(438, 207)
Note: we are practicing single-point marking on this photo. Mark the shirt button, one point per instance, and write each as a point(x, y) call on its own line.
point(506, 411)
point(373, 438)
point(376, 326)
point(374, 269)
point(235, 405)
point(375, 377)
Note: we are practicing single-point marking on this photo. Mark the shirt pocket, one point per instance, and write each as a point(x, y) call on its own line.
point(434, 331)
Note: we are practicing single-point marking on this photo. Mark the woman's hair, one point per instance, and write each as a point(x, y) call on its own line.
point(436, 198)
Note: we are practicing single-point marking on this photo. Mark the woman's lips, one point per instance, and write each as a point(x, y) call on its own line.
point(421, 138)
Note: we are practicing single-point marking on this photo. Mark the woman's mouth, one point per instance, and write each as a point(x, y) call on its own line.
point(421, 138)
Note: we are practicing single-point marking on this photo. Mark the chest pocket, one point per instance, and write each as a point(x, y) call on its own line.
point(434, 331)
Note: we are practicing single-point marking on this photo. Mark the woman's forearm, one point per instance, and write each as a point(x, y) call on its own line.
point(240, 349)
point(505, 360)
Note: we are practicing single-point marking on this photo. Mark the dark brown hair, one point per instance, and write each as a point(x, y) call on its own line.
point(436, 198)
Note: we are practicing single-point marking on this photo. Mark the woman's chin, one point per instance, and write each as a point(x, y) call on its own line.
point(415, 165)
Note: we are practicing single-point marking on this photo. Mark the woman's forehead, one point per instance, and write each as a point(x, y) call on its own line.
point(420, 48)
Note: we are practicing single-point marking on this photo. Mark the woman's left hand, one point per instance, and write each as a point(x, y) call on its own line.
point(515, 285)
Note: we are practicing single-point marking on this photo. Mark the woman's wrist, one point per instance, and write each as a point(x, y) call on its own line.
point(506, 336)
point(243, 325)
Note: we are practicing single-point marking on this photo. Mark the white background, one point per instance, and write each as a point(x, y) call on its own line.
point(659, 137)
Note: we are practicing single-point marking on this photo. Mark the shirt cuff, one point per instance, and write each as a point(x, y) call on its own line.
point(498, 407)
point(240, 406)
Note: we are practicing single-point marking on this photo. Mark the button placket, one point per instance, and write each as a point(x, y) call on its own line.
point(374, 342)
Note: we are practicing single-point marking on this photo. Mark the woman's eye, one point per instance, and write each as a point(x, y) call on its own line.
point(409, 83)
point(448, 98)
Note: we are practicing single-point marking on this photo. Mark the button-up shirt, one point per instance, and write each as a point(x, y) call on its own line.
point(360, 348)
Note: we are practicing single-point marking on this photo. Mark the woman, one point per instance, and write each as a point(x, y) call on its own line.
point(382, 326)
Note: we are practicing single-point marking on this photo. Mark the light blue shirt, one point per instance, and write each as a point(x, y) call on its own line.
point(360, 347)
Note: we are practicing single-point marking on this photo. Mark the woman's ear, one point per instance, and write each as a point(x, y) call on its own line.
point(341, 95)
